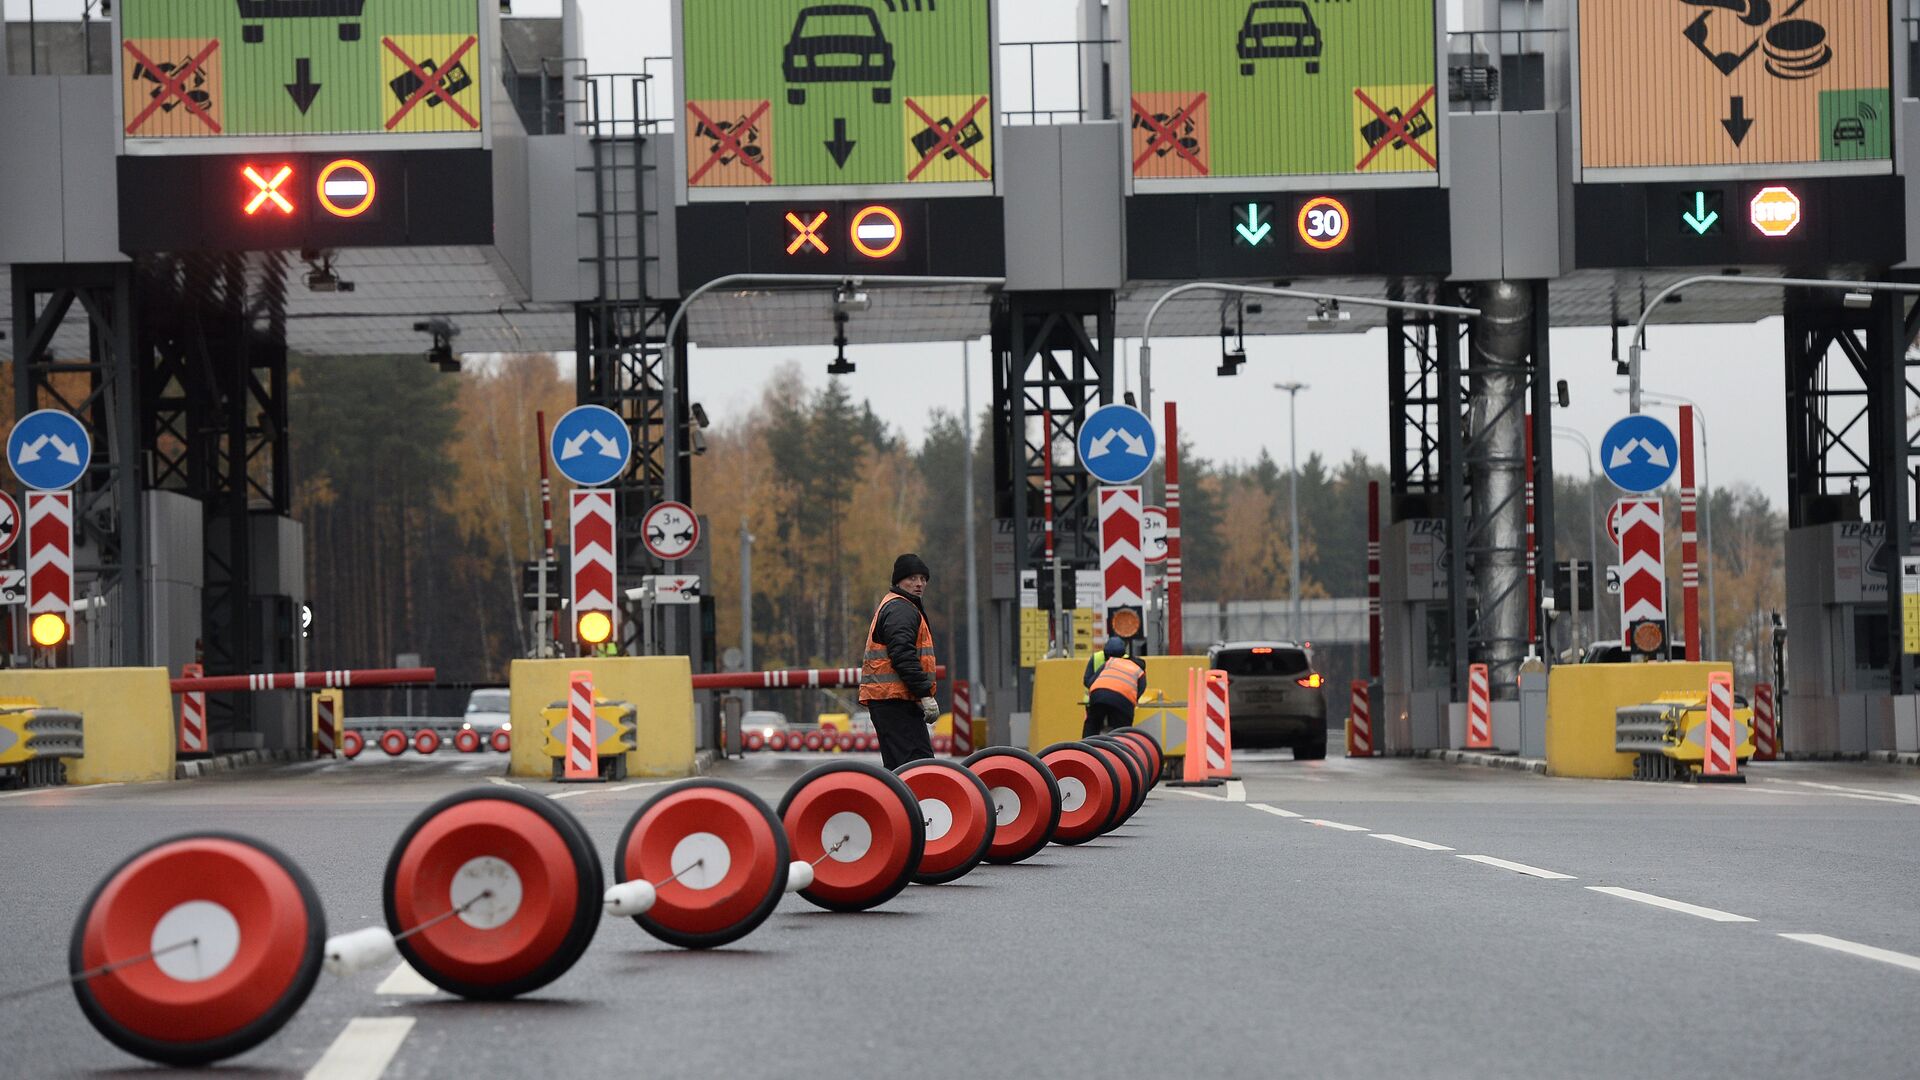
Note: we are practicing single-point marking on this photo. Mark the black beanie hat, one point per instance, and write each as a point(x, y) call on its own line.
point(906, 566)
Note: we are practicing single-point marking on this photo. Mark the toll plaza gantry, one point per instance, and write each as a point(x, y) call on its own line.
point(375, 183)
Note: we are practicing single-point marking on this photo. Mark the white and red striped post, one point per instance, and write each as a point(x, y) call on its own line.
point(962, 718)
point(593, 564)
point(1373, 579)
point(50, 557)
point(326, 737)
point(193, 713)
point(1176, 630)
point(1766, 726)
point(1219, 727)
point(1123, 565)
point(583, 751)
point(1479, 708)
point(1721, 760)
point(1689, 539)
point(1359, 720)
point(1533, 558)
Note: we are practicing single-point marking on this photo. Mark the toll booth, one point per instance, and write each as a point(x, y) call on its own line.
point(1416, 645)
point(1837, 694)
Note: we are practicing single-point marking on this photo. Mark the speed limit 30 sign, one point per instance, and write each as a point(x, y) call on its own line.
point(1324, 223)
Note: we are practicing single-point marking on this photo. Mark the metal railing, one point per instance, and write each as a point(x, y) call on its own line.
point(1047, 100)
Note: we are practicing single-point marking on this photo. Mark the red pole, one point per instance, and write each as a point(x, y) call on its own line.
point(1373, 579)
point(305, 680)
point(1176, 631)
point(546, 497)
point(794, 679)
point(1689, 538)
point(1046, 442)
point(1533, 571)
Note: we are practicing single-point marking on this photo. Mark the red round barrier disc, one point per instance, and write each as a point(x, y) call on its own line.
point(258, 933)
point(1125, 777)
point(466, 740)
point(501, 741)
point(426, 741)
point(1089, 790)
point(393, 741)
point(957, 813)
point(844, 740)
point(535, 875)
point(351, 743)
point(1148, 746)
point(1026, 801)
point(815, 740)
point(1135, 762)
point(754, 741)
point(729, 850)
point(942, 744)
point(777, 741)
point(865, 822)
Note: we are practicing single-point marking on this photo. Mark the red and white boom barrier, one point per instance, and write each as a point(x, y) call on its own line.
point(305, 680)
point(792, 679)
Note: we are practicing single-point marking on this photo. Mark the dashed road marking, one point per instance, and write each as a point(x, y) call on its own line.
point(1236, 791)
point(1854, 948)
point(404, 981)
point(363, 1050)
point(606, 790)
point(1198, 794)
point(1274, 810)
point(1518, 868)
point(1410, 842)
point(1325, 824)
point(1852, 792)
point(503, 782)
point(1713, 914)
point(63, 787)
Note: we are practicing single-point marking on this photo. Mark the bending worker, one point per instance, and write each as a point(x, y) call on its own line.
point(896, 674)
point(1114, 684)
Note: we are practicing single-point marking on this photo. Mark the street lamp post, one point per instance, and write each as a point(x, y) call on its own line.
point(1593, 528)
point(1293, 503)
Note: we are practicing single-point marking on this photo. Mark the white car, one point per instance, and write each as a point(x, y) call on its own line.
point(489, 711)
point(764, 721)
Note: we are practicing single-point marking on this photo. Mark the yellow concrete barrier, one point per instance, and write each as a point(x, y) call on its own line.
point(659, 687)
point(1059, 712)
point(1581, 699)
point(127, 718)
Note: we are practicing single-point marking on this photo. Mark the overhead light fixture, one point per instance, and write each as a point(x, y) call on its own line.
point(440, 354)
point(1328, 312)
point(1858, 301)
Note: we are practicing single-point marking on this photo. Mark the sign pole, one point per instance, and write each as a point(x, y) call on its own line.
point(1056, 643)
point(544, 635)
point(1689, 539)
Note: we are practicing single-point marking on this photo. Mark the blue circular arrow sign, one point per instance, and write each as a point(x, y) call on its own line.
point(590, 445)
point(1639, 453)
point(49, 450)
point(1117, 444)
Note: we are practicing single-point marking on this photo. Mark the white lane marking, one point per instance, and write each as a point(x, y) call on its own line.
point(1890, 796)
point(503, 781)
point(1325, 824)
point(1410, 842)
point(405, 981)
point(1713, 914)
point(1197, 794)
point(363, 1050)
point(608, 790)
point(1274, 810)
point(1236, 791)
point(1854, 948)
point(1518, 868)
point(63, 787)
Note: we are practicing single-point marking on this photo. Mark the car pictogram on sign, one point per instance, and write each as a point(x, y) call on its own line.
point(836, 43)
point(1279, 30)
point(256, 13)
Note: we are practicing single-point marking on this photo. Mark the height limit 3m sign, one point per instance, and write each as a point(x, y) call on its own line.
point(796, 93)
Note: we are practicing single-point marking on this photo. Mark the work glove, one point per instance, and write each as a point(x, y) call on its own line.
point(930, 708)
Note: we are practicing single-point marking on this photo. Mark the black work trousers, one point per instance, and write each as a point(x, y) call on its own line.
point(1106, 710)
point(904, 732)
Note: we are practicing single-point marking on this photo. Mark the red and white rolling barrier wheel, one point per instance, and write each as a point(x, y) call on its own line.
point(351, 743)
point(844, 740)
point(815, 740)
point(1089, 790)
point(728, 850)
point(862, 827)
point(958, 814)
point(1128, 771)
point(524, 877)
point(942, 744)
point(501, 741)
point(259, 933)
point(1026, 801)
point(467, 741)
point(753, 741)
point(869, 742)
point(393, 741)
point(777, 741)
point(426, 741)
point(1147, 744)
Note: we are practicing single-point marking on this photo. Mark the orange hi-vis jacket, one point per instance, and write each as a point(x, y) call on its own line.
point(1122, 676)
point(878, 679)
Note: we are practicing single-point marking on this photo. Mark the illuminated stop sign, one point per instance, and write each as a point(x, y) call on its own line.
point(1775, 211)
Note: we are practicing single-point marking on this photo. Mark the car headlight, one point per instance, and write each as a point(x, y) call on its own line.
point(506, 727)
point(466, 727)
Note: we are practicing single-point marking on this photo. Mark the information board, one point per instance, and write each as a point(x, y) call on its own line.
point(1232, 90)
point(1687, 84)
point(794, 93)
point(214, 71)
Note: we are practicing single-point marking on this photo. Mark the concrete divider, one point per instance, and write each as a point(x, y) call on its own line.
point(127, 718)
point(1581, 699)
point(1058, 690)
point(659, 687)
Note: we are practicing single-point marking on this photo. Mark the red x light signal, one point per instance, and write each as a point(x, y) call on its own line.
point(267, 190)
point(806, 233)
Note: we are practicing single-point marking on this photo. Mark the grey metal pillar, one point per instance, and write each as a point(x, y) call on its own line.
point(1495, 453)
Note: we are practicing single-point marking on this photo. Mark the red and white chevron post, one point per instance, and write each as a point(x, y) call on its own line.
point(1766, 725)
point(50, 555)
point(1722, 757)
point(193, 713)
point(1479, 708)
point(583, 752)
point(1641, 525)
point(1219, 727)
point(1123, 565)
point(591, 521)
point(1359, 720)
point(326, 725)
point(962, 718)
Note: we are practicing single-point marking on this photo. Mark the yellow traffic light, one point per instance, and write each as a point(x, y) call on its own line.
point(49, 629)
point(595, 627)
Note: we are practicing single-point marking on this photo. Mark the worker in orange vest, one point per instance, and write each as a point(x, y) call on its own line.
point(1114, 684)
point(896, 673)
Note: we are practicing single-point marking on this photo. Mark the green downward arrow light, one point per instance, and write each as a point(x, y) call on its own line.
point(1700, 219)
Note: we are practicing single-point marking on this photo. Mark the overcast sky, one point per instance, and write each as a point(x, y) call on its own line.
point(1734, 372)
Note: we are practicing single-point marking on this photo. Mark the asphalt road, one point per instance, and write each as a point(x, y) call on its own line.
point(1217, 934)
